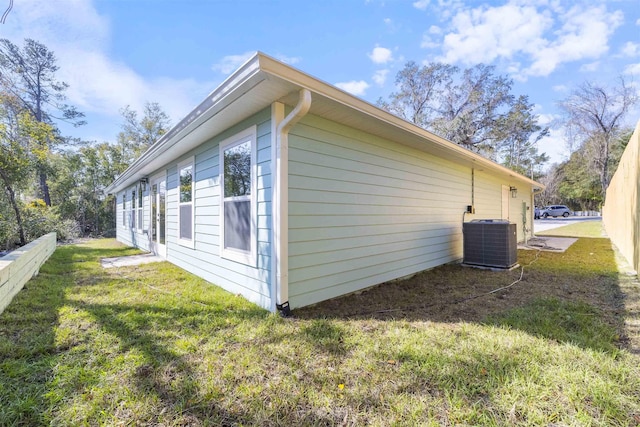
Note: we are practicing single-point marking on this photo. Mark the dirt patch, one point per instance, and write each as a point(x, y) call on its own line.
point(452, 293)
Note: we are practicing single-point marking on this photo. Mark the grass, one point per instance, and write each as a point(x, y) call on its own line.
point(153, 345)
point(587, 228)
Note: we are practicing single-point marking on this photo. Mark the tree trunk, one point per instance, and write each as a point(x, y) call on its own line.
point(44, 188)
point(14, 204)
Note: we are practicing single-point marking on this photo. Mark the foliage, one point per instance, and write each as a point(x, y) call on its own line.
point(154, 345)
point(139, 134)
point(577, 182)
point(594, 117)
point(78, 183)
point(473, 108)
point(23, 146)
point(27, 74)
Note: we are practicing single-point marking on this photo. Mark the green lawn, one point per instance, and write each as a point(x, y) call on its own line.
point(153, 345)
point(589, 228)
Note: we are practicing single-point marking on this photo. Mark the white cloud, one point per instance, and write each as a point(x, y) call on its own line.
point(421, 4)
point(591, 67)
point(428, 43)
point(633, 69)
point(99, 86)
point(230, 63)
point(630, 49)
point(484, 34)
point(584, 34)
point(354, 87)
point(289, 59)
point(542, 34)
point(381, 55)
point(380, 77)
point(388, 21)
point(560, 88)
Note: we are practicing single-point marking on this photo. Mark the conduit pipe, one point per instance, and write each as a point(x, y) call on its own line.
point(280, 215)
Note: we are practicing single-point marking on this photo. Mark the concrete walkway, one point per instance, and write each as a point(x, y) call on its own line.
point(549, 244)
point(127, 261)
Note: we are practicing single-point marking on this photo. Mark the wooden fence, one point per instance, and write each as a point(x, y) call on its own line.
point(621, 212)
point(19, 266)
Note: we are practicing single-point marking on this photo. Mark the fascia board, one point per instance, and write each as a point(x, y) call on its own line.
point(225, 94)
point(304, 80)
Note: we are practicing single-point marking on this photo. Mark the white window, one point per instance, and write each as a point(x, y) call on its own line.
point(133, 209)
point(140, 204)
point(124, 210)
point(238, 195)
point(185, 203)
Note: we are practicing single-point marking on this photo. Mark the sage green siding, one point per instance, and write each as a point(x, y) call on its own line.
point(364, 210)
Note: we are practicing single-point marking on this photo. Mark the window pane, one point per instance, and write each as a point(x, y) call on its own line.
point(237, 170)
point(237, 225)
point(161, 214)
point(154, 212)
point(185, 221)
point(140, 197)
point(186, 181)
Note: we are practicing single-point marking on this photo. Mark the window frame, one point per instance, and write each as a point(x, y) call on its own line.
point(245, 257)
point(190, 243)
point(124, 210)
point(139, 208)
point(132, 212)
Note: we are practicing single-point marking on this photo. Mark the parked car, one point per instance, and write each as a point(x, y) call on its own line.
point(555, 211)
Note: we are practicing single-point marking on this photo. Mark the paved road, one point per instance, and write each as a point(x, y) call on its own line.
point(544, 224)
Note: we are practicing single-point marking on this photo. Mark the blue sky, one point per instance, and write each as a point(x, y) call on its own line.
point(117, 53)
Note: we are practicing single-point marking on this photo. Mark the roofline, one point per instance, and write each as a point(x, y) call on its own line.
point(195, 118)
point(261, 63)
point(330, 91)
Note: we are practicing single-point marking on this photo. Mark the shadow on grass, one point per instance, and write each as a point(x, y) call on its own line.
point(163, 374)
point(28, 348)
point(571, 297)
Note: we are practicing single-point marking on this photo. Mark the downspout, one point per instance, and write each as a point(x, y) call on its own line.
point(280, 213)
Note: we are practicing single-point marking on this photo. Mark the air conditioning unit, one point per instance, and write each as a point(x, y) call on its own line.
point(490, 243)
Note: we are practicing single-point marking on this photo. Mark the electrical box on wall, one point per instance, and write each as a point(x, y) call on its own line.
point(471, 209)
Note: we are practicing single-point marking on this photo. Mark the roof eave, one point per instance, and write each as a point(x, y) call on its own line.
point(217, 100)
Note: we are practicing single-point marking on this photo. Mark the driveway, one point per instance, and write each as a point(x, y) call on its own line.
point(544, 224)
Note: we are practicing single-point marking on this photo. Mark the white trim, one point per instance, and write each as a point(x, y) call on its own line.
point(245, 257)
point(139, 208)
point(123, 211)
point(277, 115)
point(132, 208)
point(262, 73)
point(190, 243)
point(159, 248)
point(282, 194)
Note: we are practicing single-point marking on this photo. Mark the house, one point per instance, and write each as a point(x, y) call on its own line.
point(290, 191)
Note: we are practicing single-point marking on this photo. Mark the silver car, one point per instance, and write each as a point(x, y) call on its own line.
point(555, 211)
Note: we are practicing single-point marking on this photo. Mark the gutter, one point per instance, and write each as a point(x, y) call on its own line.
point(280, 209)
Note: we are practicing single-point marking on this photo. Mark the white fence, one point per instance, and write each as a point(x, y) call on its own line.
point(19, 266)
point(586, 213)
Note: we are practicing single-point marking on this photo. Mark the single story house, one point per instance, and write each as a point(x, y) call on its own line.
point(290, 191)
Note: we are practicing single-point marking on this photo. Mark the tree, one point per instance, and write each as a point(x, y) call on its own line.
point(22, 145)
point(594, 115)
point(78, 182)
point(136, 135)
point(519, 133)
point(473, 108)
point(28, 74)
